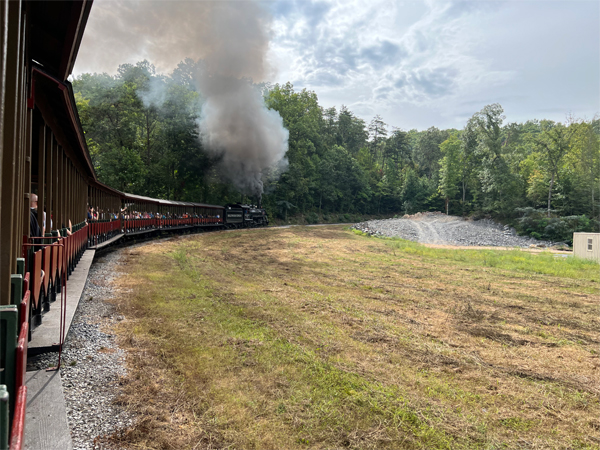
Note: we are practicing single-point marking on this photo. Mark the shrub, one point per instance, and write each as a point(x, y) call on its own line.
point(312, 218)
point(537, 224)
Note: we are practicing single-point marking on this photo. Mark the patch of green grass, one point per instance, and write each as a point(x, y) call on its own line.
point(517, 423)
point(324, 396)
point(514, 260)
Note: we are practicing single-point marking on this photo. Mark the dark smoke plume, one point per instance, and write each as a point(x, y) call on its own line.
point(231, 38)
point(235, 122)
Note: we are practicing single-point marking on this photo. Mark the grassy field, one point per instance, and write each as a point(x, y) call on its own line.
point(321, 338)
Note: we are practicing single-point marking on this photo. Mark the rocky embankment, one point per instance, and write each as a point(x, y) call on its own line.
point(437, 228)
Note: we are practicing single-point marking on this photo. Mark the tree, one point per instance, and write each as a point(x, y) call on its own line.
point(584, 163)
point(467, 157)
point(330, 126)
point(413, 192)
point(494, 173)
point(377, 133)
point(450, 173)
point(553, 144)
point(427, 152)
point(398, 148)
point(351, 132)
point(284, 207)
point(140, 113)
point(302, 116)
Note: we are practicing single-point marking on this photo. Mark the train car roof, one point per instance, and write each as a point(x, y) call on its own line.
point(105, 187)
point(56, 32)
point(141, 198)
point(196, 205)
point(55, 100)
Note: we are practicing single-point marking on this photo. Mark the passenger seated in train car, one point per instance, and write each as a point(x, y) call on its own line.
point(69, 229)
point(34, 227)
point(90, 213)
point(43, 227)
point(52, 225)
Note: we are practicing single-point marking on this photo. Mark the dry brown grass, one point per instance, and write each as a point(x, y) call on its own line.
point(318, 338)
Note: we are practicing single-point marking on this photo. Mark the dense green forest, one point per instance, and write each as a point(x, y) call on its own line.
point(541, 176)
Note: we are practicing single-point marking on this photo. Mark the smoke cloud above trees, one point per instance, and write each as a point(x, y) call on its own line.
point(229, 42)
point(235, 122)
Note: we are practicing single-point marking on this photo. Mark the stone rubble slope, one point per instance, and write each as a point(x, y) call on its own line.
point(437, 228)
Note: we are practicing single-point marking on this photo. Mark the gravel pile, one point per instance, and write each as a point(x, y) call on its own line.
point(92, 363)
point(437, 228)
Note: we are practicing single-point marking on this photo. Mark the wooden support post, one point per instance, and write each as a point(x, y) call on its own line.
point(41, 175)
point(27, 176)
point(22, 114)
point(65, 201)
point(49, 204)
point(55, 189)
point(10, 148)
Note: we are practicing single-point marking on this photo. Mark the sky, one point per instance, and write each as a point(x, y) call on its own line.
point(417, 64)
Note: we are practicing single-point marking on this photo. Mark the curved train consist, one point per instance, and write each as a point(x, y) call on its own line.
point(48, 183)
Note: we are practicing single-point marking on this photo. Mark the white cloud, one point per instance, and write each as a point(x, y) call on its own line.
point(417, 63)
point(404, 59)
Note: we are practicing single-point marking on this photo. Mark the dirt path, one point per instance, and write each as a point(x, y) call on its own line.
point(427, 233)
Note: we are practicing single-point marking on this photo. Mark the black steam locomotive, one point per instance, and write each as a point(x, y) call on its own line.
point(244, 216)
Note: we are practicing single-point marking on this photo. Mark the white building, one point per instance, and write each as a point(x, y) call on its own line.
point(587, 245)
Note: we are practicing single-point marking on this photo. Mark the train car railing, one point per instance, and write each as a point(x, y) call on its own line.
point(13, 392)
point(103, 230)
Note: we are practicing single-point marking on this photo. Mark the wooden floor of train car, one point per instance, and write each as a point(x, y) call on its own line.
point(47, 427)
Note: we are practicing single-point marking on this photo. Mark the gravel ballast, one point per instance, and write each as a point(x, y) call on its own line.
point(92, 363)
point(437, 228)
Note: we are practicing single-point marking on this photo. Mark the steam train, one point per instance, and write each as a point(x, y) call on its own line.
point(48, 182)
point(245, 216)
